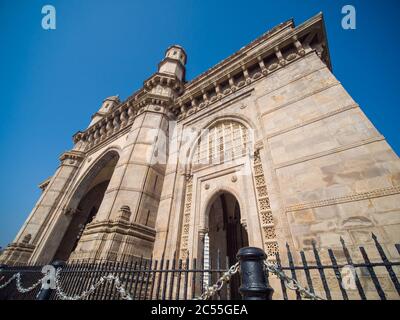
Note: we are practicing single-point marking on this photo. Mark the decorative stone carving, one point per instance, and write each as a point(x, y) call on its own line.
point(273, 66)
point(44, 184)
point(186, 217)
point(202, 233)
point(241, 83)
point(72, 157)
point(266, 219)
point(257, 75)
point(349, 198)
point(124, 213)
point(291, 57)
point(27, 238)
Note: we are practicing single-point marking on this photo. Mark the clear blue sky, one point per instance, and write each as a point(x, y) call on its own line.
point(51, 82)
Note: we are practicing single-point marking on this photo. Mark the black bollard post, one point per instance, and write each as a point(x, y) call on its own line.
point(254, 283)
point(44, 293)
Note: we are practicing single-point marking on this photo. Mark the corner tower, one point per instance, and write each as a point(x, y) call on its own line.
point(174, 62)
point(102, 202)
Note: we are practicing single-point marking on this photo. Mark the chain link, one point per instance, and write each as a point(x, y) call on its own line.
point(214, 289)
point(20, 288)
point(109, 278)
point(290, 283)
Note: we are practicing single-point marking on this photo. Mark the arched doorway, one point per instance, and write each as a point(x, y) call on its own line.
point(226, 235)
point(86, 202)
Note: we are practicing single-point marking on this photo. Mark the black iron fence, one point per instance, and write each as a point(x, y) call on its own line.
point(30, 275)
point(348, 280)
point(143, 279)
point(320, 272)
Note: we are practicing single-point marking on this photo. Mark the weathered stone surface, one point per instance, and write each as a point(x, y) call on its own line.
point(316, 168)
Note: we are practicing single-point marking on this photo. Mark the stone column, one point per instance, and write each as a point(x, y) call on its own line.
point(136, 183)
point(30, 241)
point(168, 222)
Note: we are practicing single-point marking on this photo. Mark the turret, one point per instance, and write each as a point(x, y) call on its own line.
point(108, 104)
point(174, 62)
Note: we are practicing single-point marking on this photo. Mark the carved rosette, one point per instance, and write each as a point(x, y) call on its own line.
point(186, 218)
point(264, 209)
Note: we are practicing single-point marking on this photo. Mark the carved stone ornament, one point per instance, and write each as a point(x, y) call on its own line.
point(27, 238)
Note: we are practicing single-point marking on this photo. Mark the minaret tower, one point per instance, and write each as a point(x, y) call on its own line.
point(174, 62)
point(125, 223)
point(102, 201)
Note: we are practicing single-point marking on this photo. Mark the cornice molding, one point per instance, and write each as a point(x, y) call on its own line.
point(72, 157)
point(198, 112)
point(348, 198)
point(270, 42)
point(244, 56)
point(43, 185)
point(121, 227)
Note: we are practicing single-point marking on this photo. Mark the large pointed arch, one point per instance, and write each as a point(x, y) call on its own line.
point(92, 172)
point(84, 203)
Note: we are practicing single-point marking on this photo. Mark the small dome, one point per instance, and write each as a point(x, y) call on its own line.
point(176, 52)
point(112, 98)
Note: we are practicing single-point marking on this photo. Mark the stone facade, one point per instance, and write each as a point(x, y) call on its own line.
point(313, 167)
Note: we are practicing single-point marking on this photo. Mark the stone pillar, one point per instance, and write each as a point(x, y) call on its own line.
point(29, 245)
point(299, 46)
point(279, 55)
point(245, 73)
point(136, 183)
point(168, 217)
point(262, 65)
point(205, 96)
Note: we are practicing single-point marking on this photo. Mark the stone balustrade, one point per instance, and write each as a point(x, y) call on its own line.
point(110, 125)
point(261, 65)
point(285, 44)
point(208, 89)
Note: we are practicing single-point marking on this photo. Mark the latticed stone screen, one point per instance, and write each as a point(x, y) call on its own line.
point(224, 141)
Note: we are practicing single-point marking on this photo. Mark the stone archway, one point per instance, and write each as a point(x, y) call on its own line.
point(85, 203)
point(225, 236)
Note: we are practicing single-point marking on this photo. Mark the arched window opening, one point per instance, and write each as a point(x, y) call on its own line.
point(224, 141)
point(226, 235)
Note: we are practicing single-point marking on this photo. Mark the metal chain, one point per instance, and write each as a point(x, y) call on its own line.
point(20, 288)
point(291, 283)
point(214, 289)
point(109, 278)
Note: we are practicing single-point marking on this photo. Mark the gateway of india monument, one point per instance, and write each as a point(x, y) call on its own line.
point(263, 149)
